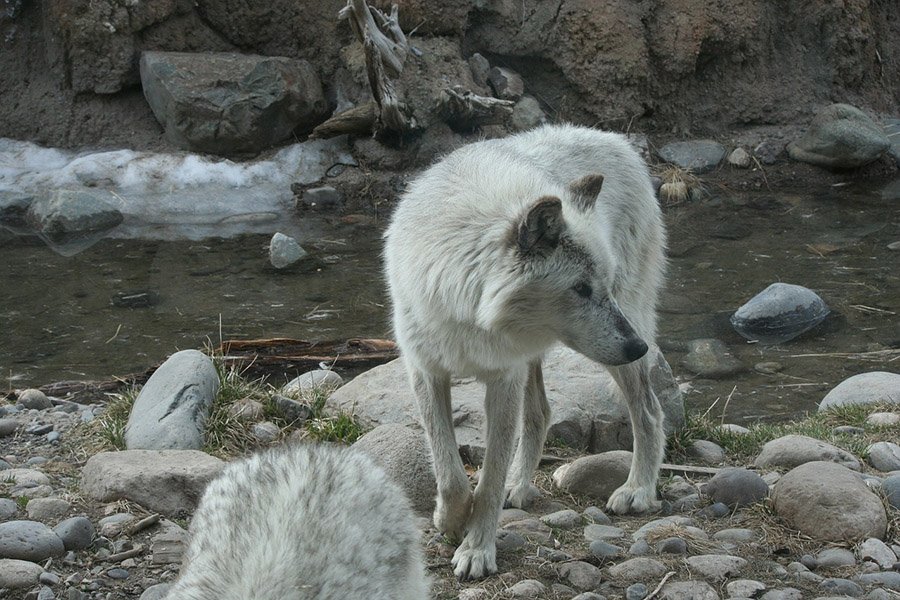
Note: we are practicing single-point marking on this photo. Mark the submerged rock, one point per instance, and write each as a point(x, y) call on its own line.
point(284, 251)
point(779, 313)
point(63, 216)
point(840, 136)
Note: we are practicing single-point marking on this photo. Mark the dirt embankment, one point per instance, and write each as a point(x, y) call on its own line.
point(68, 68)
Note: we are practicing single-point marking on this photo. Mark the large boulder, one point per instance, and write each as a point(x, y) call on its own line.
point(829, 502)
point(170, 411)
point(170, 482)
point(227, 103)
point(840, 136)
point(876, 387)
point(588, 409)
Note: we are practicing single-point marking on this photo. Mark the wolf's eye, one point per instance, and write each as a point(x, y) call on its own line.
point(583, 289)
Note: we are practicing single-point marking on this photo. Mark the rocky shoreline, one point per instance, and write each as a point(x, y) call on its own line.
point(90, 513)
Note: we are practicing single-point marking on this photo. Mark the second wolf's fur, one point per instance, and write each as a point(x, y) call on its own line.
point(495, 253)
point(303, 523)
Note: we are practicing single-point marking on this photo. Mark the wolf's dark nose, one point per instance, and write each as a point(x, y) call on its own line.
point(635, 348)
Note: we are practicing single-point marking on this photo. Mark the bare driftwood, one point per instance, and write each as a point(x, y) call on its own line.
point(462, 109)
point(359, 120)
point(386, 35)
point(392, 111)
point(689, 469)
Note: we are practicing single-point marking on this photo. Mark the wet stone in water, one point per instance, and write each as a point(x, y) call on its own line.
point(779, 313)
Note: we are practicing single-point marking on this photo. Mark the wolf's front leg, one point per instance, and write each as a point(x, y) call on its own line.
point(476, 556)
point(535, 418)
point(638, 493)
point(454, 497)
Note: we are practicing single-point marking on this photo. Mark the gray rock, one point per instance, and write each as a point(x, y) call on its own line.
point(170, 411)
point(532, 530)
point(605, 550)
point(848, 430)
point(284, 251)
point(67, 216)
point(831, 558)
point(48, 578)
point(602, 532)
point(637, 569)
point(581, 575)
point(716, 567)
point(779, 313)
point(18, 574)
point(736, 487)
point(247, 410)
point(589, 596)
point(405, 456)
point(597, 476)
point(706, 452)
point(595, 515)
point(829, 502)
point(715, 511)
point(841, 587)
point(793, 450)
point(646, 528)
point(25, 478)
point(553, 555)
point(506, 83)
point(311, 380)
point(290, 410)
point(888, 579)
point(640, 548)
point(474, 594)
point(527, 114)
point(740, 158)
point(883, 419)
point(509, 541)
point(29, 540)
point(876, 387)
point(876, 551)
point(840, 136)
point(227, 103)
point(671, 545)
point(156, 592)
point(167, 482)
point(35, 399)
point(711, 359)
point(688, 590)
point(324, 198)
point(744, 588)
point(563, 519)
point(736, 535)
point(480, 68)
point(169, 545)
point(527, 588)
point(884, 456)
point(8, 427)
point(47, 509)
point(587, 408)
point(265, 432)
point(636, 591)
point(699, 156)
point(783, 594)
point(76, 533)
point(13, 207)
point(510, 515)
point(891, 488)
point(8, 509)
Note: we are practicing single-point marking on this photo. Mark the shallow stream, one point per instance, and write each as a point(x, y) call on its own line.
point(123, 305)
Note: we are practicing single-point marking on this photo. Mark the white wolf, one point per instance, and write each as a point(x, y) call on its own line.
point(493, 254)
point(303, 523)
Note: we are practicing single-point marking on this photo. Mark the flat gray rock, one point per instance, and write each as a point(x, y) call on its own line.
point(562, 519)
point(876, 387)
point(832, 558)
point(874, 550)
point(527, 588)
point(227, 103)
point(736, 487)
point(840, 136)
point(744, 588)
point(637, 569)
point(29, 540)
point(698, 156)
point(792, 450)
point(597, 475)
point(715, 567)
point(602, 532)
point(68, 216)
point(581, 575)
point(884, 456)
point(587, 408)
point(171, 409)
point(688, 590)
point(167, 481)
point(888, 579)
point(829, 502)
point(47, 509)
point(16, 574)
point(404, 455)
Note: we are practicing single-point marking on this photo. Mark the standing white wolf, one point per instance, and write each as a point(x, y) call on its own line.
point(303, 523)
point(493, 254)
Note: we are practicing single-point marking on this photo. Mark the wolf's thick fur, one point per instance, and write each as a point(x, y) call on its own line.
point(493, 254)
point(303, 523)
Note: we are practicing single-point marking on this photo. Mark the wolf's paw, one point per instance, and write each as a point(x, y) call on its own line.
point(628, 499)
point(451, 515)
point(520, 496)
point(474, 562)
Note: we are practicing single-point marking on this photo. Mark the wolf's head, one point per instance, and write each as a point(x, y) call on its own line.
point(564, 280)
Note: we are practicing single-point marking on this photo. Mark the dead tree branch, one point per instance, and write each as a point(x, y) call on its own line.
point(462, 109)
point(385, 34)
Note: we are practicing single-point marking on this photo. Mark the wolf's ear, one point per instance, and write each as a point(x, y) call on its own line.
point(585, 190)
point(540, 230)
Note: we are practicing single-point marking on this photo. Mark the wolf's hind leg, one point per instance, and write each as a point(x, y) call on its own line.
point(535, 420)
point(476, 557)
point(638, 493)
point(454, 497)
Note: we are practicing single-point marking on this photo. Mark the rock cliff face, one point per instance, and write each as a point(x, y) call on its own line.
point(69, 68)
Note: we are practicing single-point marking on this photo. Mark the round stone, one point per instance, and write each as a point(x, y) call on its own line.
point(736, 487)
point(779, 313)
point(34, 399)
point(76, 533)
point(17, 574)
point(29, 540)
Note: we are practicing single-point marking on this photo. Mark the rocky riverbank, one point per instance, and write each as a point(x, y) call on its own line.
point(95, 507)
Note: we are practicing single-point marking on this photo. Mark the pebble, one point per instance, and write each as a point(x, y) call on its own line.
point(604, 550)
point(581, 575)
point(562, 519)
point(76, 533)
point(34, 399)
point(247, 410)
point(597, 475)
point(734, 429)
point(311, 380)
point(716, 567)
point(717, 510)
point(39, 428)
point(117, 573)
point(636, 591)
point(53, 437)
point(736, 487)
point(884, 456)
point(595, 515)
point(49, 578)
point(527, 588)
point(835, 557)
point(159, 591)
point(739, 158)
point(637, 569)
point(645, 529)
